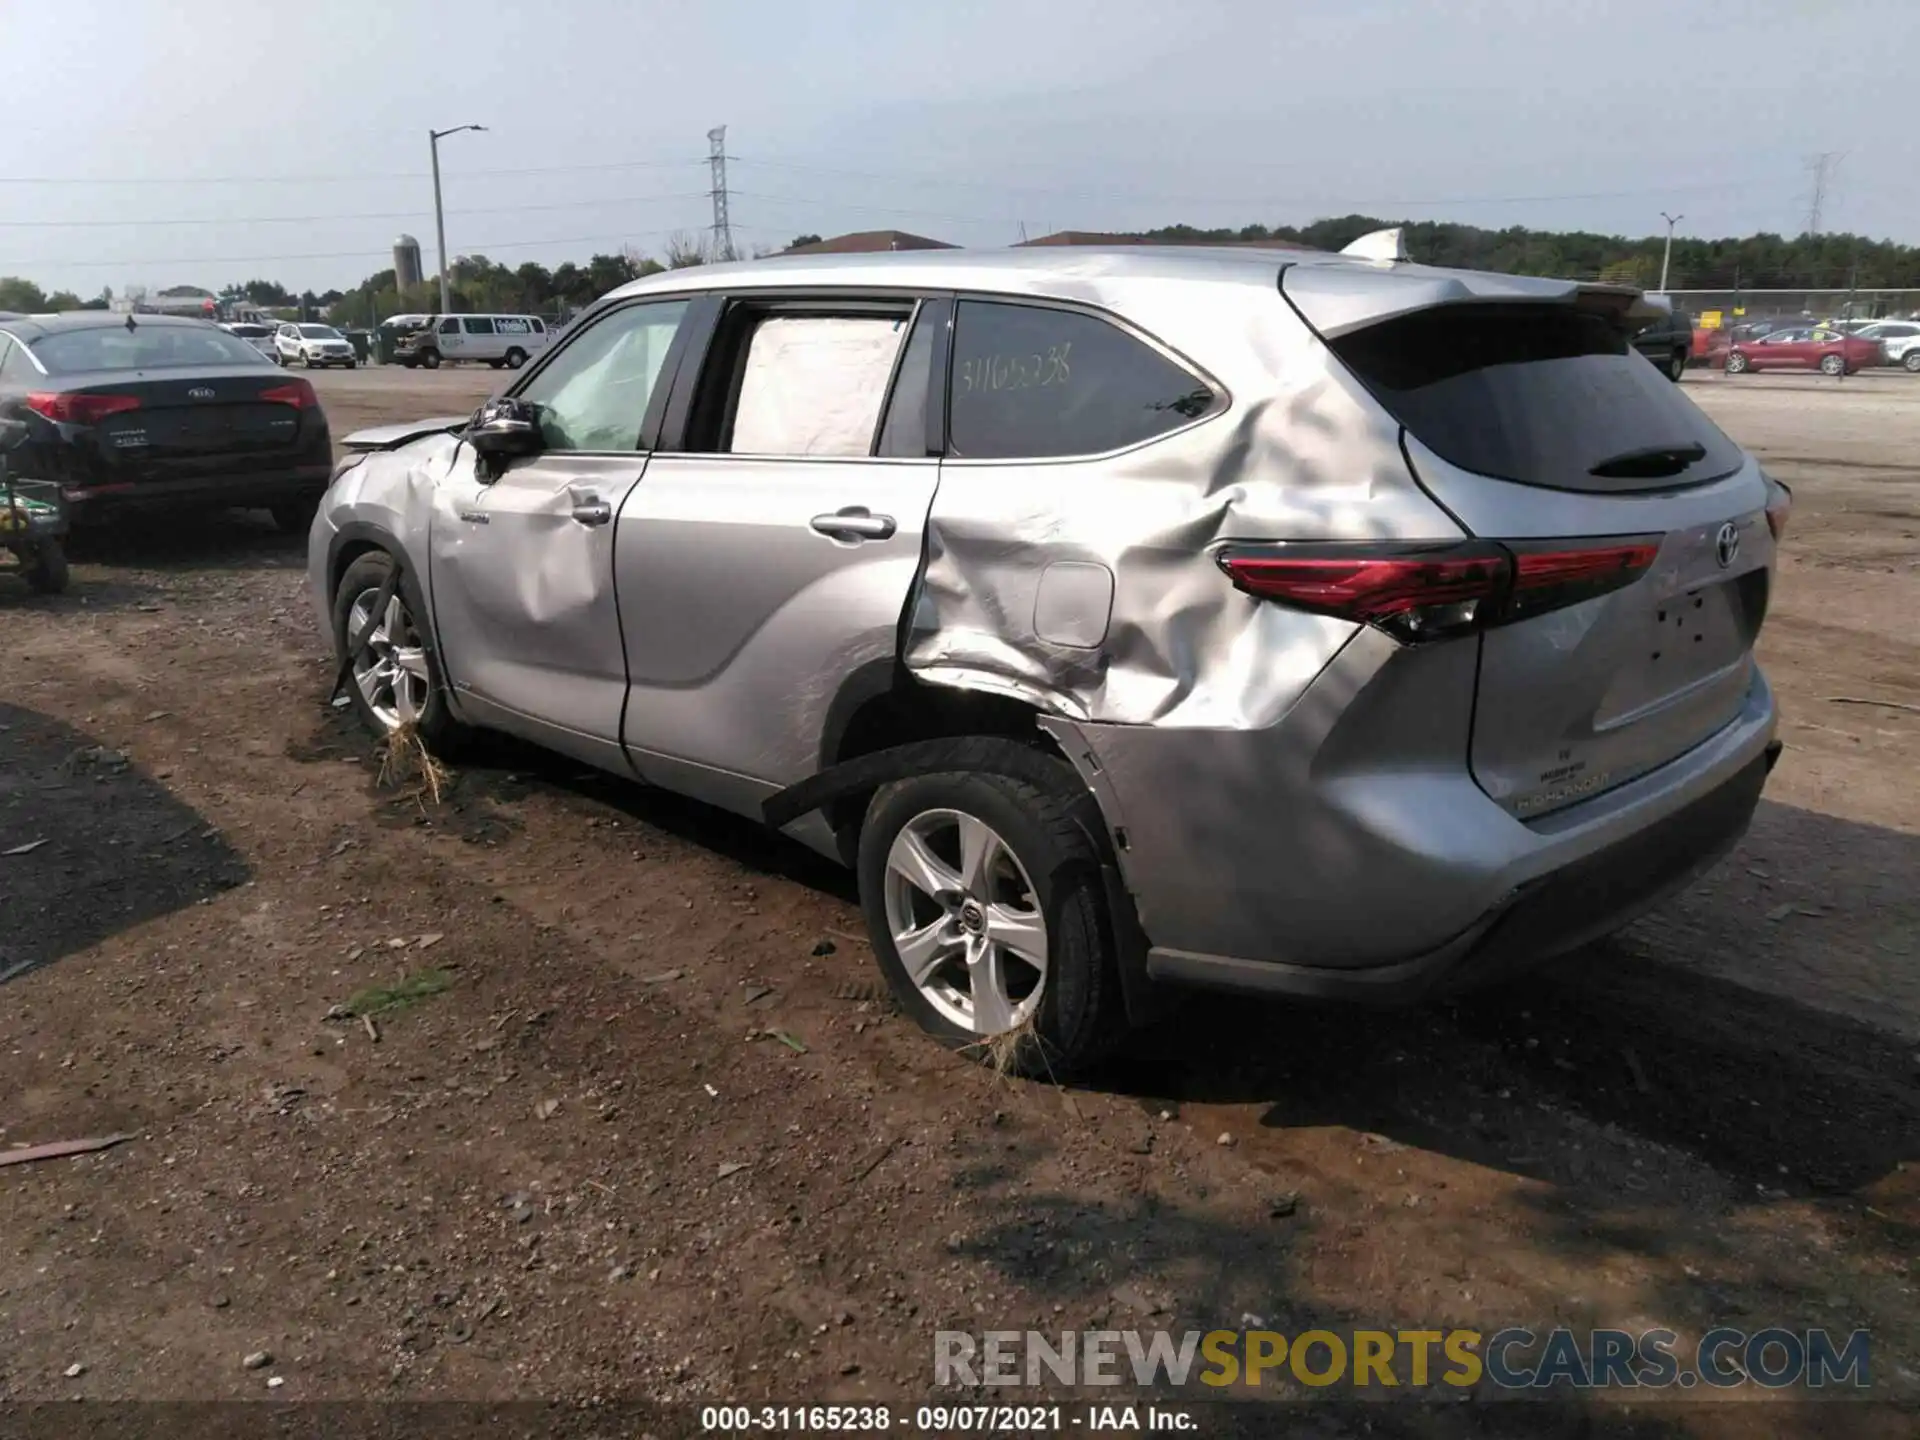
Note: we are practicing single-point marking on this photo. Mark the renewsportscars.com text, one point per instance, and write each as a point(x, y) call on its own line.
point(1513, 1358)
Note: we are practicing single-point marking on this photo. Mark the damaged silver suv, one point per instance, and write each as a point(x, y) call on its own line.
point(1290, 623)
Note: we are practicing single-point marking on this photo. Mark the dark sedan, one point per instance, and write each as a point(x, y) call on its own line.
point(150, 411)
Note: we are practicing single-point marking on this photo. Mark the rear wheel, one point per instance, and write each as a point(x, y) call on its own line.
point(1832, 365)
point(1677, 366)
point(1736, 362)
point(45, 567)
point(516, 357)
point(396, 679)
point(985, 902)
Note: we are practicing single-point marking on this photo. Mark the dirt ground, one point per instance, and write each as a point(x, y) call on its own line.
point(635, 1118)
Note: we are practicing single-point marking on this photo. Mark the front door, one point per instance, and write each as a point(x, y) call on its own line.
point(522, 565)
point(772, 557)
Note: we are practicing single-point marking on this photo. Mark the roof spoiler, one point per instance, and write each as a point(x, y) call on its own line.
point(1387, 245)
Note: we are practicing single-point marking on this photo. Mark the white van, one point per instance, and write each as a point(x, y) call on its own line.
point(509, 340)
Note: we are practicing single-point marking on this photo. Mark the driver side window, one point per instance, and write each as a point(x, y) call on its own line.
point(593, 395)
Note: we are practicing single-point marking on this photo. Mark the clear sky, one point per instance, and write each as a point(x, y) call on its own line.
point(207, 141)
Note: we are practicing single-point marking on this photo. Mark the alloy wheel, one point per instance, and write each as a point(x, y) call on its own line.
point(966, 923)
point(391, 672)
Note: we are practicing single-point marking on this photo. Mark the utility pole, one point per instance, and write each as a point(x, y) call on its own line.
point(434, 137)
point(1667, 258)
point(1823, 166)
point(717, 163)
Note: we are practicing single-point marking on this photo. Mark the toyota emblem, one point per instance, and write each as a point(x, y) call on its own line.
point(1726, 545)
point(200, 392)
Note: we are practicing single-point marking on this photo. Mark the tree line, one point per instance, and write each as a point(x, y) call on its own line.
point(1753, 262)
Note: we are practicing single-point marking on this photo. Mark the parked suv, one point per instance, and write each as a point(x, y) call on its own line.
point(1667, 338)
point(312, 345)
point(1125, 619)
point(1899, 341)
point(502, 341)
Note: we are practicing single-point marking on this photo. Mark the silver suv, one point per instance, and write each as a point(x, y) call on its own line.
point(1295, 624)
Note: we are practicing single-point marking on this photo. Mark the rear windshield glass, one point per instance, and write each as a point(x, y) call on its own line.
point(1542, 394)
point(146, 347)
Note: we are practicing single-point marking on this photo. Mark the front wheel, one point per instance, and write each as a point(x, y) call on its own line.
point(1736, 363)
point(430, 359)
point(1911, 361)
point(1832, 365)
point(984, 898)
point(45, 567)
point(307, 361)
point(1677, 366)
point(395, 680)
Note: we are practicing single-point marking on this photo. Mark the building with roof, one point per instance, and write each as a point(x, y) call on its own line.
point(867, 242)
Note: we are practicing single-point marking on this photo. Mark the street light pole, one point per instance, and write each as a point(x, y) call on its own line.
point(434, 137)
point(1665, 260)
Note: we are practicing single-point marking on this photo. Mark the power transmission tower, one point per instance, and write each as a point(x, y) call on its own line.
point(717, 162)
point(1823, 167)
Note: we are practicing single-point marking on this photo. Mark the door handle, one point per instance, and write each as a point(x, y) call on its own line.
point(592, 512)
point(854, 522)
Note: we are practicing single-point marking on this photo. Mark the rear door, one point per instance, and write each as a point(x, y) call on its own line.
point(772, 555)
point(1535, 425)
point(522, 564)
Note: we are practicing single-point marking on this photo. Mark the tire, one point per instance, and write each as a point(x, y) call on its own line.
point(516, 357)
point(432, 721)
point(495, 364)
point(45, 568)
point(294, 517)
point(280, 359)
point(1736, 363)
point(351, 365)
point(307, 361)
point(1910, 362)
point(1832, 365)
point(430, 359)
point(1042, 879)
point(1677, 366)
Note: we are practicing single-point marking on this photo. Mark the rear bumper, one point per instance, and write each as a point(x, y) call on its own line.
point(1588, 899)
point(253, 488)
point(1346, 853)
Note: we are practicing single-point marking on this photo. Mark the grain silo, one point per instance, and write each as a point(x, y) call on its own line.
point(406, 262)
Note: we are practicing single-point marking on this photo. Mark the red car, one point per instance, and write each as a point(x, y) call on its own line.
point(1804, 347)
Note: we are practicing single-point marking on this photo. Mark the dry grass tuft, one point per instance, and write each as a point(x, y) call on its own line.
point(1012, 1052)
point(404, 758)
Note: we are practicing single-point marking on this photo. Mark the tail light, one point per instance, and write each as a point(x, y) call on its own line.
point(1417, 593)
point(297, 393)
point(1779, 508)
point(80, 409)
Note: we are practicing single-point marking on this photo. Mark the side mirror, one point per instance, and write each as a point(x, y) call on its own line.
point(503, 429)
point(12, 432)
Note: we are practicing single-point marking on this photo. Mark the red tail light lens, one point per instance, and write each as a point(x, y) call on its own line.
point(80, 409)
point(297, 393)
point(1779, 508)
point(1420, 593)
point(1553, 578)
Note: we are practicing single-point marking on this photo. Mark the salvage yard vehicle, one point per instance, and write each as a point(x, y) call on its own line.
point(1126, 619)
point(1899, 342)
point(312, 345)
point(499, 340)
point(157, 412)
point(1667, 339)
point(1804, 347)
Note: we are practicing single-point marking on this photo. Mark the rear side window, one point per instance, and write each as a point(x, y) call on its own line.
point(1546, 395)
point(814, 384)
point(1032, 382)
point(510, 325)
